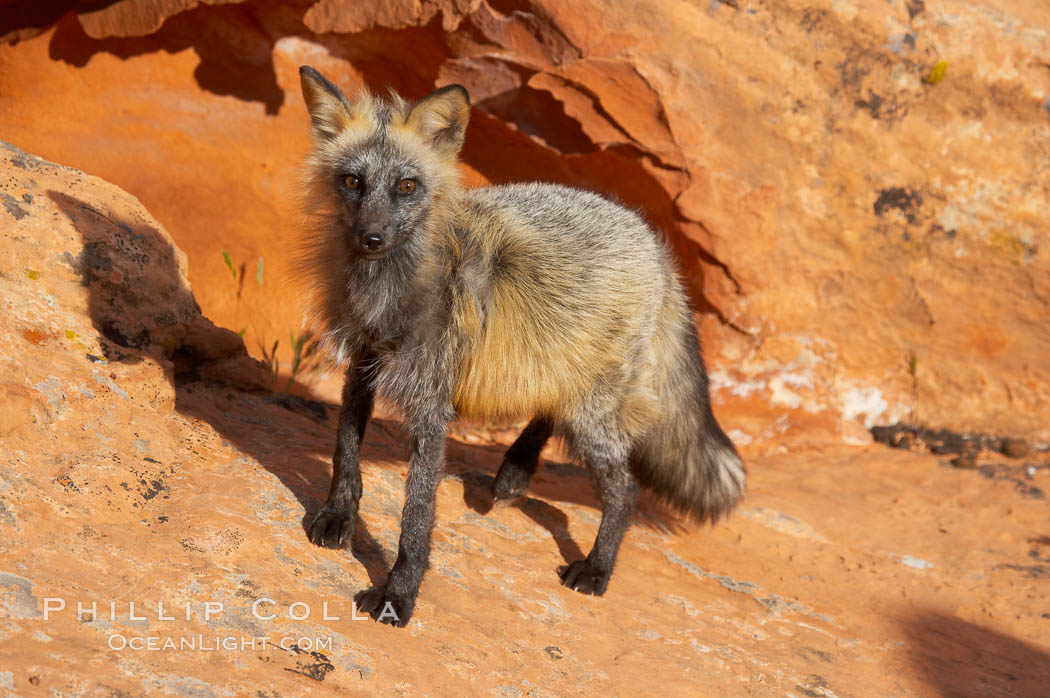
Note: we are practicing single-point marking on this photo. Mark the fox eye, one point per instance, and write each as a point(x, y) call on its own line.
point(406, 186)
point(352, 182)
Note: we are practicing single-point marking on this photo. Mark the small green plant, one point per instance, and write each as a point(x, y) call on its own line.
point(913, 370)
point(238, 279)
point(270, 360)
point(304, 345)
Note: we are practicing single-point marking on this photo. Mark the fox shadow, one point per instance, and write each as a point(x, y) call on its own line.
point(262, 424)
point(958, 658)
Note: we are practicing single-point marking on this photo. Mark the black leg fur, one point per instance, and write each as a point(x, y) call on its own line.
point(394, 601)
point(607, 458)
point(333, 525)
point(521, 459)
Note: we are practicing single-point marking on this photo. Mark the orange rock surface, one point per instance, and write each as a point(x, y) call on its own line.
point(857, 191)
point(153, 498)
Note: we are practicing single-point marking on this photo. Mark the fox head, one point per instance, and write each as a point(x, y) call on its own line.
point(383, 166)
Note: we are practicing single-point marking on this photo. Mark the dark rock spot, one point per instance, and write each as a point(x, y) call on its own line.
point(967, 446)
point(883, 108)
point(854, 69)
point(1035, 554)
point(872, 104)
point(907, 201)
point(294, 403)
point(1029, 571)
point(116, 335)
point(815, 686)
point(13, 208)
point(938, 229)
point(1014, 474)
point(811, 653)
point(165, 319)
point(248, 589)
point(316, 670)
point(152, 488)
point(1015, 448)
point(811, 19)
point(66, 483)
point(189, 545)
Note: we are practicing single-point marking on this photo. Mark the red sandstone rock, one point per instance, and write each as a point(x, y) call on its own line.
point(862, 245)
point(347, 16)
point(133, 472)
point(136, 17)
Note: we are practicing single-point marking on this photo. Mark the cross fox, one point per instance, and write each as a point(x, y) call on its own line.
point(516, 301)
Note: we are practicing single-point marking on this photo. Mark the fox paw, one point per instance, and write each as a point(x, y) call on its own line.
point(331, 527)
point(583, 577)
point(511, 482)
point(385, 606)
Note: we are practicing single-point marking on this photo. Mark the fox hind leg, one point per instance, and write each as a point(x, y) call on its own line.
point(521, 460)
point(605, 450)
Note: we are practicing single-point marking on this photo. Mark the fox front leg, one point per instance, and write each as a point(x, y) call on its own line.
point(394, 601)
point(333, 525)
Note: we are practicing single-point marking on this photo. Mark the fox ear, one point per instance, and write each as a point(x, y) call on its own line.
point(441, 118)
point(330, 111)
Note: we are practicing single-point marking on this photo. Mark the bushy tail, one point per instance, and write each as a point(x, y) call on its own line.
point(685, 458)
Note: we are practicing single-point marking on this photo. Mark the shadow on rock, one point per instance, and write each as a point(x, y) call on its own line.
point(128, 267)
point(477, 495)
point(958, 658)
point(236, 42)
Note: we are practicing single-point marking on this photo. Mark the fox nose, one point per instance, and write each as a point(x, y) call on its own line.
point(372, 241)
